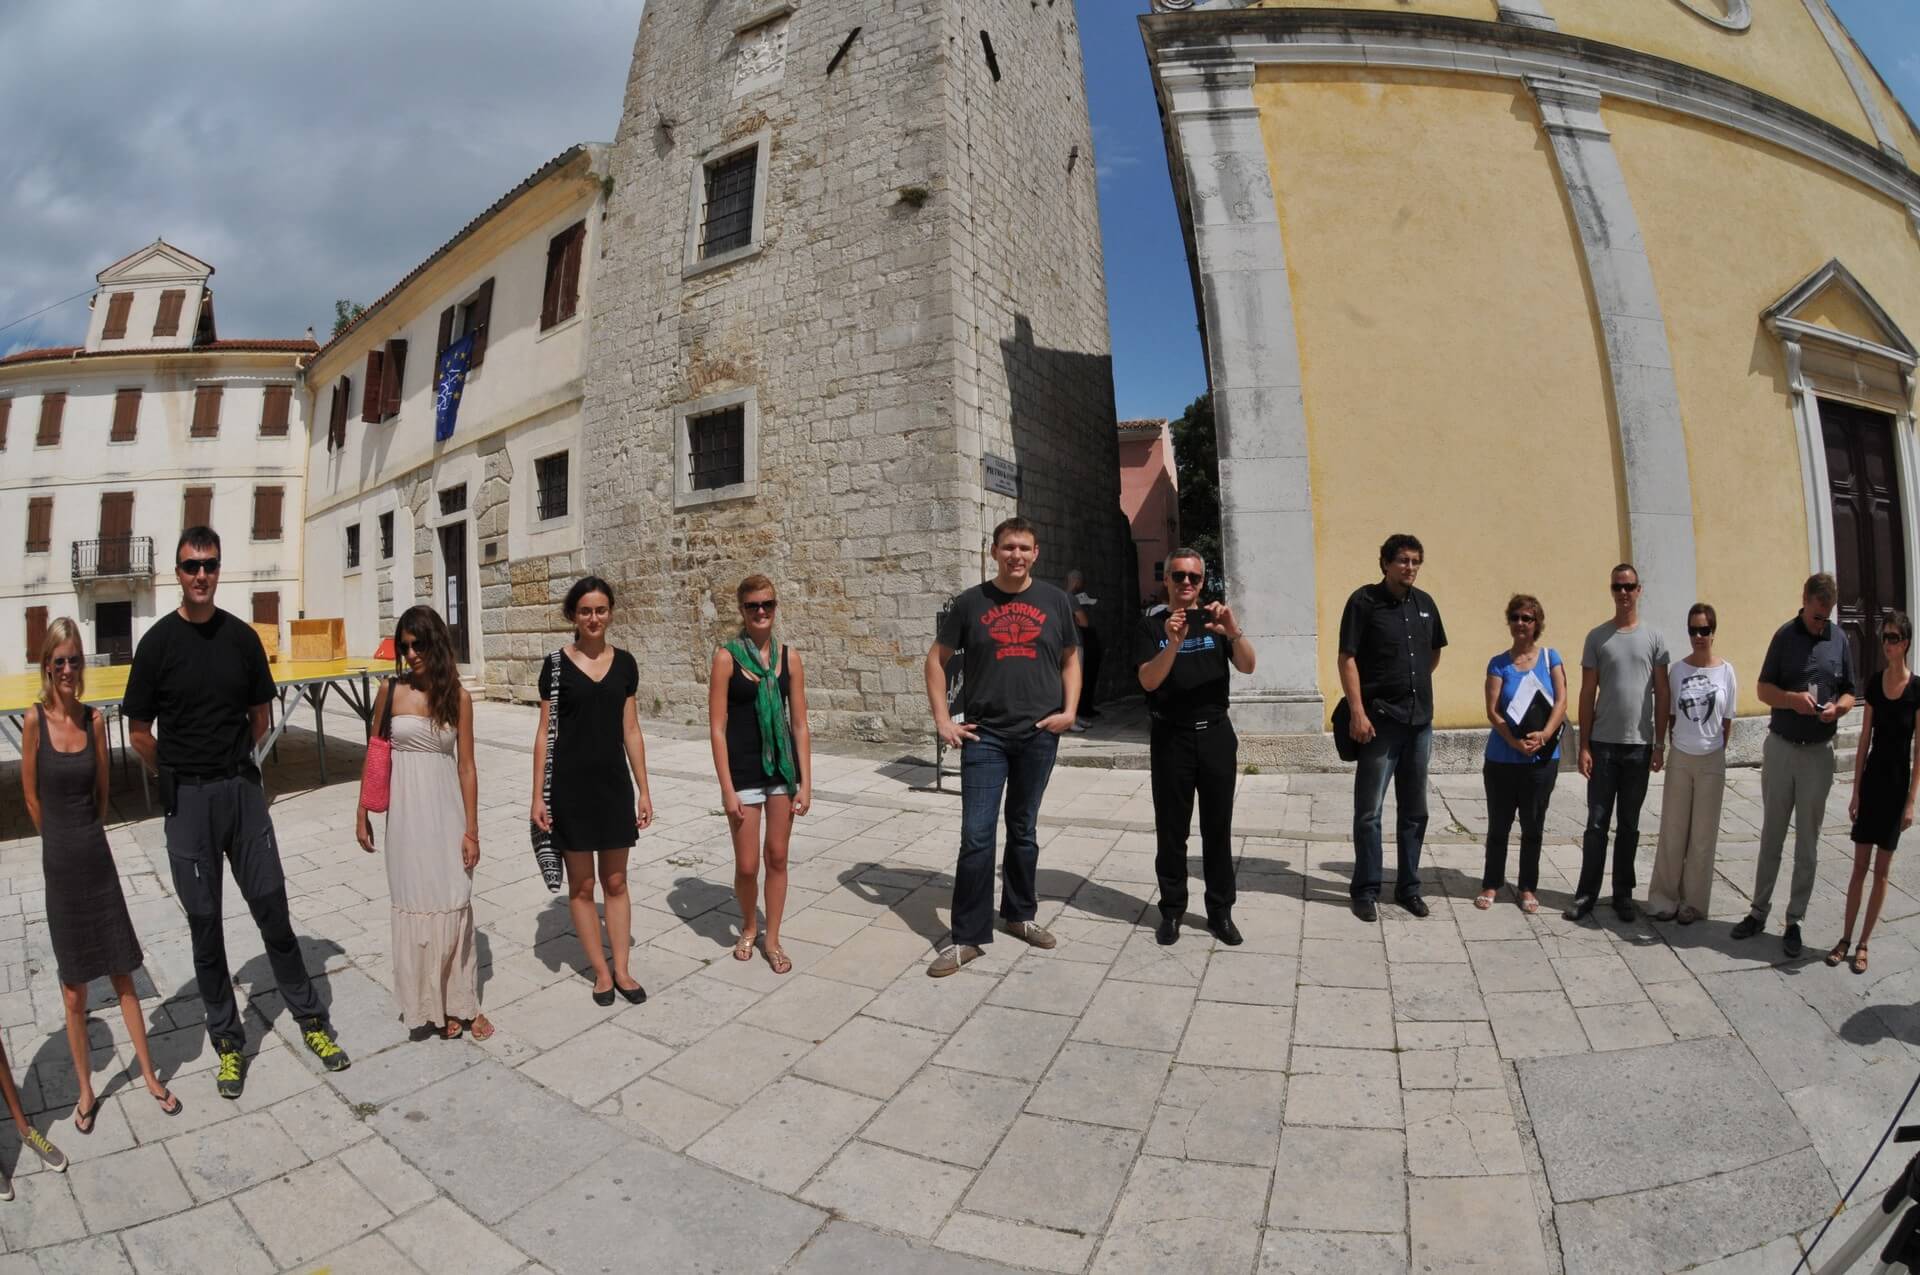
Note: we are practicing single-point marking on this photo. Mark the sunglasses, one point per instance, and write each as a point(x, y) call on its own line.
point(1891, 638)
point(1187, 577)
point(408, 648)
point(766, 607)
point(1625, 588)
point(68, 661)
point(194, 566)
point(1521, 617)
point(1699, 630)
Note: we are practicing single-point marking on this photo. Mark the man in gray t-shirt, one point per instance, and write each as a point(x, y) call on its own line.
point(1623, 728)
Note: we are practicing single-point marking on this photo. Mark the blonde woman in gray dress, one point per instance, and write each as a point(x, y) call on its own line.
point(433, 831)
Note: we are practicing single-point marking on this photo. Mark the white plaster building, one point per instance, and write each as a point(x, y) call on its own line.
point(109, 448)
point(485, 526)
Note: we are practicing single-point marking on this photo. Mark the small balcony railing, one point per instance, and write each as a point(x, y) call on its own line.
point(117, 557)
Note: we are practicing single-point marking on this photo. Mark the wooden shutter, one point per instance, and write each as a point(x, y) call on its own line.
point(6, 414)
point(266, 513)
point(117, 307)
point(442, 341)
point(126, 416)
point(570, 271)
point(273, 411)
point(167, 322)
point(36, 633)
point(392, 376)
point(206, 412)
point(39, 524)
point(53, 406)
point(482, 315)
point(266, 608)
point(116, 515)
point(371, 395)
point(198, 510)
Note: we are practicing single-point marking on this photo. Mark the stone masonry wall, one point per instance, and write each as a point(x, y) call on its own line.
point(870, 510)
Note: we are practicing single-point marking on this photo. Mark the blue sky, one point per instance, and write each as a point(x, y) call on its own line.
point(307, 163)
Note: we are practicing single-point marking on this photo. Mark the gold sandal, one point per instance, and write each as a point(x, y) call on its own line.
point(778, 959)
point(1859, 964)
point(743, 947)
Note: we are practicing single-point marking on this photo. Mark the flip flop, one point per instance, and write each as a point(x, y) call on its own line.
point(743, 947)
point(83, 1120)
point(778, 959)
point(169, 1105)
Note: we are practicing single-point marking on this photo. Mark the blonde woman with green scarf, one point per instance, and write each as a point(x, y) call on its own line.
point(763, 753)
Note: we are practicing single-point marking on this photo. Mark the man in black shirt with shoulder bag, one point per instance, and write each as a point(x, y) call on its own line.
point(202, 675)
point(1185, 654)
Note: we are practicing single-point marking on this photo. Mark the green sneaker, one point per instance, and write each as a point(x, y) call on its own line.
point(51, 1156)
point(320, 1041)
point(232, 1076)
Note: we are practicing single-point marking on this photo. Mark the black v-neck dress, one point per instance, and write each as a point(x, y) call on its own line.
point(592, 806)
point(86, 910)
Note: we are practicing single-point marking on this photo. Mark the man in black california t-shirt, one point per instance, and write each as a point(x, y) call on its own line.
point(1184, 658)
point(201, 674)
point(1021, 680)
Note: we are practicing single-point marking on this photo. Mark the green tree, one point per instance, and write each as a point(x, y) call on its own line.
point(344, 313)
point(1196, 465)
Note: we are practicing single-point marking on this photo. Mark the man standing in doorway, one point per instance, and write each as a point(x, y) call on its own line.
point(1184, 656)
point(1807, 679)
point(1390, 642)
point(1624, 699)
point(202, 675)
point(1090, 648)
point(1020, 681)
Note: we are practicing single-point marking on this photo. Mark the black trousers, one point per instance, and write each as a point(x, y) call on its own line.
point(1187, 763)
point(1090, 653)
point(1520, 789)
point(1619, 782)
point(226, 820)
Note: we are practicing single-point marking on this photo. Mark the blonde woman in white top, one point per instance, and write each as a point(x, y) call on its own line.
point(1703, 687)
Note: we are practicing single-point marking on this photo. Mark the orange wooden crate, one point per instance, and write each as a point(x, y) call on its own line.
point(317, 639)
point(270, 639)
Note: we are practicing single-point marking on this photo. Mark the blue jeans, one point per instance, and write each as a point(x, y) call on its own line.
point(1398, 752)
point(990, 766)
point(1618, 783)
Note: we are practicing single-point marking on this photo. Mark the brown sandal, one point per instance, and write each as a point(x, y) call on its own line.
point(1838, 954)
point(452, 1030)
point(1859, 965)
point(778, 959)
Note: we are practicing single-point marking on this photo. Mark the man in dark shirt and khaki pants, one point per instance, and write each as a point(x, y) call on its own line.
point(1807, 679)
point(202, 674)
point(1390, 641)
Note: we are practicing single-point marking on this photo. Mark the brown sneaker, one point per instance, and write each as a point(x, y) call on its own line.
point(952, 958)
point(1031, 933)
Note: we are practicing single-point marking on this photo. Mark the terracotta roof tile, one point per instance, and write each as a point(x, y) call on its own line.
point(298, 345)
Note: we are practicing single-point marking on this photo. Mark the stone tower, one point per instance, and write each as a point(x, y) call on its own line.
point(851, 314)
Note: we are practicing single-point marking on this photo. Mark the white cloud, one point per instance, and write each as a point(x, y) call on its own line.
point(308, 151)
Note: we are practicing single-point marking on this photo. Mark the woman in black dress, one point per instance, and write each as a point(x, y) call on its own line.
point(63, 754)
point(1886, 775)
point(599, 740)
point(762, 751)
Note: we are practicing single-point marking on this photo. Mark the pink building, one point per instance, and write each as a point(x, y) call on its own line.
point(1150, 498)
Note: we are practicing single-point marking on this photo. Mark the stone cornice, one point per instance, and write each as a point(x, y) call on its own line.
point(1218, 39)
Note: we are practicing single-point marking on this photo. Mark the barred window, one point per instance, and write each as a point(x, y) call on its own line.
point(386, 536)
point(353, 546)
point(716, 448)
point(550, 486)
point(728, 223)
point(453, 499)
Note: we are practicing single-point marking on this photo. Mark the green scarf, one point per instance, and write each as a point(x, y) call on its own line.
point(776, 743)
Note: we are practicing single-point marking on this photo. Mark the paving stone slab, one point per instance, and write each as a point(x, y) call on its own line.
point(453, 1131)
point(842, 1249)
point(1252, 1037)
point(1462, 1133)
point(1034, 1246)
point(233, 1156)
point(442, 1240)
point(808, 1008)
point(869, 1056)
point(1024, 1181)
point(43, 1211)
point(1221, 1114)
point(641, 1200)
point(1340, 1179)
point(126, 1189)
point(956, 1116)
point(212, 1237)
point(310, 1212)
point(1137, 1016)
point(1100, 1084)
point(1332, 1253)
point(1343, 962)
point(1435, 992)
point(1344, 1018)
point(387, 1176)
point(1712, 1089)
point(1475, 1224)
point(1535, 1025)
point(370, 1255)
point(785, 1133)
point(883, 1187)
point(1186, 1216)
point(669, 1116)
point(1724, 1214)
point(1016, 1043)
point(1051, 986)
point(732, 1064)
point(1610, 1027)
point(98, 1255)
point(596, 1063)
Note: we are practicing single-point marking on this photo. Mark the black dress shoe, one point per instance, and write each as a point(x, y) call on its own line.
point(1365, 910)
point(1790, 942)
point(1749, 925)
point(603, 999)
point(1580, 909)
point(636, 995)
point(1623, 908)
point(1225, 930)
point(1168, 931)
point(1416, 905)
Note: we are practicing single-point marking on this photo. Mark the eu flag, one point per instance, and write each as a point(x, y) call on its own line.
point(449, 380)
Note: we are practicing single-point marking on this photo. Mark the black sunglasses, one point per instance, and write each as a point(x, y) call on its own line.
point(1187, 577)
point(1521, 617)
point(68, 661)
point(1892, 637)
point(1619, 587)
point(408, 647)
point(1699, 630)
point(766, 606)
point(194, 566)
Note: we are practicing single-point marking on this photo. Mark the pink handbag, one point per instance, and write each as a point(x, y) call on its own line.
point(376, 777)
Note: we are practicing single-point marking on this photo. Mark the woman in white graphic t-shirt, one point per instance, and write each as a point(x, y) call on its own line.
point(1703, 701)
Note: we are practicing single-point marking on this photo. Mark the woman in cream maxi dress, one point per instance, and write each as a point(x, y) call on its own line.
point(432, 839)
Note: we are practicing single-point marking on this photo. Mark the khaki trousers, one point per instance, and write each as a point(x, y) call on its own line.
point(1794, 782)
point(1689, 831)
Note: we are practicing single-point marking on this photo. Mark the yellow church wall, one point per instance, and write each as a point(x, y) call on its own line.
point(1487, 10)
point(1454, 377)
point(1834, 308)
point(1729, 226)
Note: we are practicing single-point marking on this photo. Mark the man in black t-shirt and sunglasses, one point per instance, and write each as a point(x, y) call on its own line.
point(202, 674)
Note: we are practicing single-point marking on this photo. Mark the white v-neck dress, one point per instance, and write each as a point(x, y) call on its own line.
point(436, 969)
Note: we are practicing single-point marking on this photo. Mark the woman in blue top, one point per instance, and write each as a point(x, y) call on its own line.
point(1526, 703)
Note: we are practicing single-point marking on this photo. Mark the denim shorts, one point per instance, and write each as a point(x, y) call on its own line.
point(758, 796)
